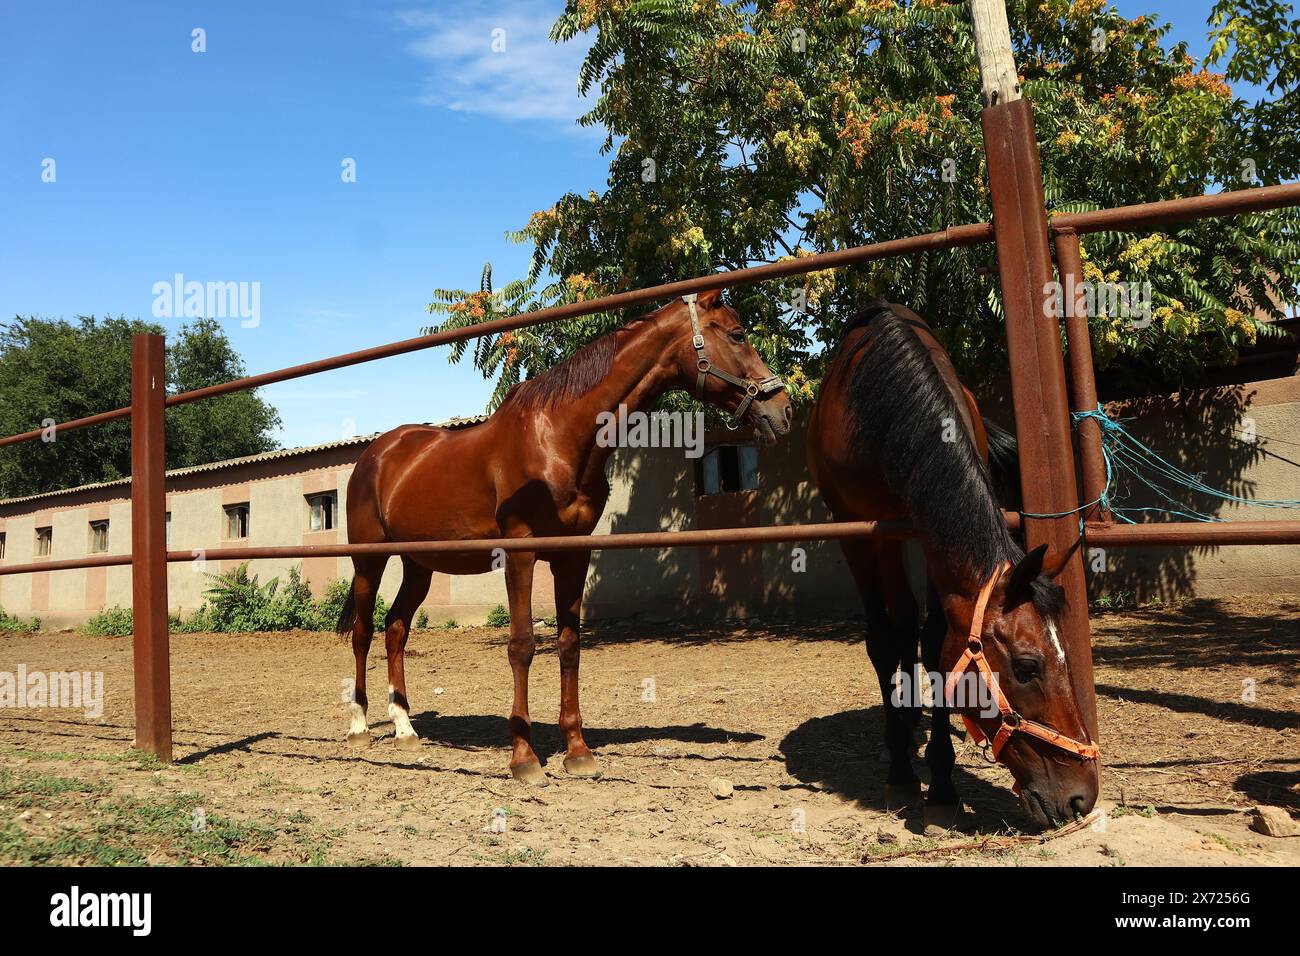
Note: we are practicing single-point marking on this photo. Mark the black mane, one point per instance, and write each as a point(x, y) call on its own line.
point(900, 408)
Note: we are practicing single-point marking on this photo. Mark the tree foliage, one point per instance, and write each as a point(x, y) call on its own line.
point(779, 129)
point(57, 371)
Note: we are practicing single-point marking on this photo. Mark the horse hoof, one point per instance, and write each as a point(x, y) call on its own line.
point(584, 765)
point(941, 815)
point(407, 742)
point(530, 773)
point(360, 739)
point(902, 796)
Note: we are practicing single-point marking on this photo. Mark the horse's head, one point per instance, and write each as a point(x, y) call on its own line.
point(717, 364)
point(1039, 734)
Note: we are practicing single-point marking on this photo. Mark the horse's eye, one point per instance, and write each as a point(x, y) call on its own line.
point(1027, 668)
point(737, 336)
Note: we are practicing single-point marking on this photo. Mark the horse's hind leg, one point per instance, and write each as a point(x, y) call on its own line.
point(397, 628)
point(941, 800)
point(365, 589)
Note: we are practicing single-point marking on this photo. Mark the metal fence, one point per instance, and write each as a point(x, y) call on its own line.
point(1024, 237)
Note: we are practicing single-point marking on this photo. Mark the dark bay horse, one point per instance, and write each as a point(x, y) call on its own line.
point(535, 468)
point(895, 435)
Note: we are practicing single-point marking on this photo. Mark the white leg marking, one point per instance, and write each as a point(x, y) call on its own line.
point(1056, 641)
point(401, 719)
point(357, 714)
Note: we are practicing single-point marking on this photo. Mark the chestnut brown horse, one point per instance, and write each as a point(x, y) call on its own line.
point(535, 468)
point(894, 436)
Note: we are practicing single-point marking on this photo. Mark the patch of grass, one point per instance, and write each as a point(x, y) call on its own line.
point(141, 759)
point(524, 856)
point(1226, 843)
point(111, 622)
point(9, 622)
point(1147, 811)
point(125, 830)
point(498, 617)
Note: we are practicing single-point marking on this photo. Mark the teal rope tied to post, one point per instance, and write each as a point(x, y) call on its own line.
point(1124, 454)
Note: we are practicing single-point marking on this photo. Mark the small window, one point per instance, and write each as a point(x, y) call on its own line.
point(98, 536)
point(169, 528)
point(321, 511)
point(44, 542)
point(236, 521)
point(727, 468)
point(2, 546)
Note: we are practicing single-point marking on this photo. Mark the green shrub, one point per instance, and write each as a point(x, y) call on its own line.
point(330, 606)
point(422, 618)
point(498, 617)
point(10, 623)
point(237, 602)
point(450, 624)
point(111, 622)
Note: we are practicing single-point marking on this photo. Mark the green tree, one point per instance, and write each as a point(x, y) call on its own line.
point(743, 132)
point(53, 370)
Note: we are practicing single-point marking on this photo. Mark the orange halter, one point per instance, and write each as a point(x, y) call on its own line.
point(1011, 721)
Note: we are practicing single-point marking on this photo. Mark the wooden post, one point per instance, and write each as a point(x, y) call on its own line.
point(1047, 475)
point(153, 702)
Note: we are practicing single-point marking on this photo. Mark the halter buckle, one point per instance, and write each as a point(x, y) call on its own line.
point(698, 341)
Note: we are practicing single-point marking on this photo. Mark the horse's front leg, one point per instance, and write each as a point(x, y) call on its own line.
point(524, 764)
point(570, 575)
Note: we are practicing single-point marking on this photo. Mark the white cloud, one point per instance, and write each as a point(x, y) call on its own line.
point(531, 79)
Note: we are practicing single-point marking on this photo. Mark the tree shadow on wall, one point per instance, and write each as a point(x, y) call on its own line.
point(1201, 433)
point(656, 490)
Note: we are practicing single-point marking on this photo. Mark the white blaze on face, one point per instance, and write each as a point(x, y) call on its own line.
point(1056, 640)
point(397, 713)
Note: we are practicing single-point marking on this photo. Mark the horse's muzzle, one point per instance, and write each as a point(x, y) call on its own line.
point(772, 419)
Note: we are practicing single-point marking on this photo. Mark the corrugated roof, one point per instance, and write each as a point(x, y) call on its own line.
point(455, 422)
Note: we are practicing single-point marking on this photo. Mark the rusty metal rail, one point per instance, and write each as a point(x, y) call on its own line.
point(1144, 215)
point(951, 238)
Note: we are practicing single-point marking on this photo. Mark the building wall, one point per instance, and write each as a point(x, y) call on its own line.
point(1244, 439)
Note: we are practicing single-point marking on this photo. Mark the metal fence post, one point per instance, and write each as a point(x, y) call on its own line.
point(1047, 475)
point(153, 704)
point(1083, 378)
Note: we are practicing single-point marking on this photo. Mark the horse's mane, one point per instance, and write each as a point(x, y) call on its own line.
point(573, 377)
point(900, 404)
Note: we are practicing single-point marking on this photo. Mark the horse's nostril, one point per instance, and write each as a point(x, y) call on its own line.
point(789, 414)
point(1079, 804)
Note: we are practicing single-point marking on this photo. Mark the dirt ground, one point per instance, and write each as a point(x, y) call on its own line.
point(787, 714)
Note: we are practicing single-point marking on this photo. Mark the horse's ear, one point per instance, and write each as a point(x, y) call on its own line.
point(1019, 584)
point(1055, 562)
point(710, 300)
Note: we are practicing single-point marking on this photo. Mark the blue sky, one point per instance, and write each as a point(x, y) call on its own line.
point(225, 166)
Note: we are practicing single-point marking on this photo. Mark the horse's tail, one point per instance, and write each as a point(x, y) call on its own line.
point(348, 616)
point(1004, 464)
